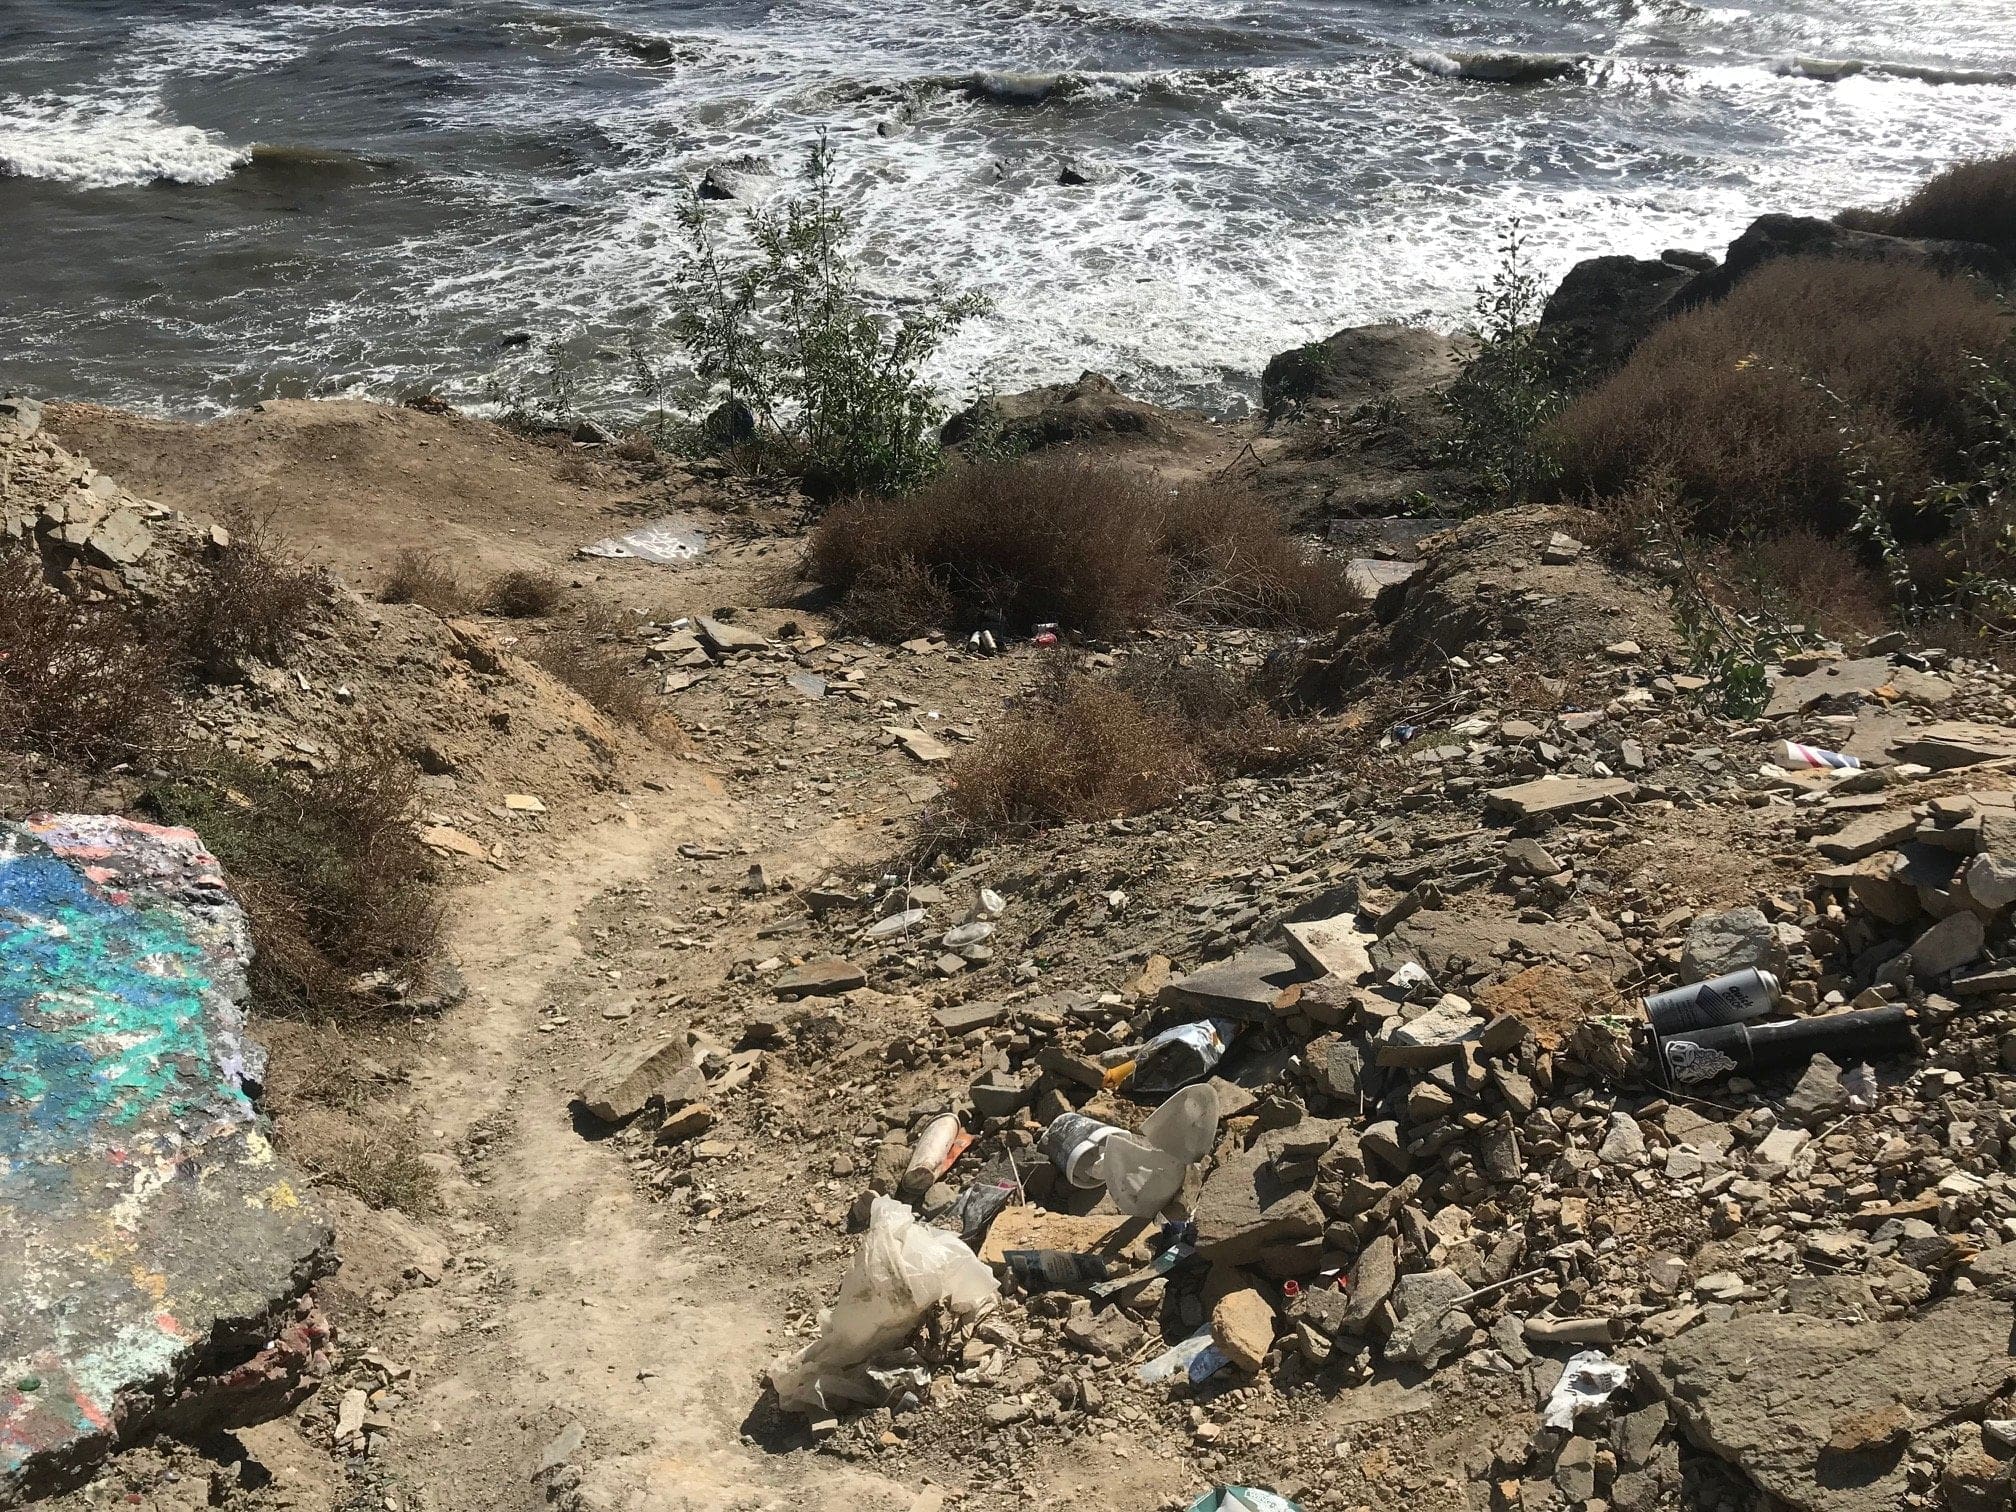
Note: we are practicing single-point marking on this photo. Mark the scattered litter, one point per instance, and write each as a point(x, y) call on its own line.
point(1243, 1499)
point(895, 924)
point(1196, 1359)
point(901, 1271)
point(662, 541)
point(1703, 1055)
point(1732, 999)
point(960, 936)
point(1798, 758)
point(938, 1149)
point(1177, 1057)
point(1588, 1382)
point(1045, 1270)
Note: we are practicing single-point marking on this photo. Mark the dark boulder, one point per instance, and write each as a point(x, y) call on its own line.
point(1057, 415)
point(1359, 365)
point(1775, 236)
point(1605, 307)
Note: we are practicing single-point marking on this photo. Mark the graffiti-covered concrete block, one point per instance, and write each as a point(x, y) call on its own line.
point(150, 1234)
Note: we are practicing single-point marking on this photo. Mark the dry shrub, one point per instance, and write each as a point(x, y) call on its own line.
point(1093, 547)
point(583, 658)
point(1815, 580)
point(1973, 201)
point(85, 683)
point(1748, 406)
point(525, 595)
point(426, 578)
point(333, 878)
point(250, 599)
point(1086, 748)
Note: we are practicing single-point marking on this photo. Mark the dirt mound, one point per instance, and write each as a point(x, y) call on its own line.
point(357, 483)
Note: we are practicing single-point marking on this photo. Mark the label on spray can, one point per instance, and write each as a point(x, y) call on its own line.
point(1688, 1063)
point(1039, 1270)
point(1733, 999)
point(1072, 1142)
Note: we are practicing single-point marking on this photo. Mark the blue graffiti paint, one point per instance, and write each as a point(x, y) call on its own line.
point(104, 1028)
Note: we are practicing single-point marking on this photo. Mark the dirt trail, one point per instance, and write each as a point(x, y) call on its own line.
point(588, 1314)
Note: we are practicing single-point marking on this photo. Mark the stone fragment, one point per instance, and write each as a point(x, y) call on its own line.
point(921, 744)
point(1991, 881)
point(1867, 835)
point(959, 1019)
point(1561, 549)
point(1429, 1325)
point(1575, 1470)
point(1781, 1145)
point(1249, 985)
point(1953, 942)
point(689, 1122)
point(1559, 795)
point(1110, 1333)
point(1372, 1278)
point(627, 1081)
point(1549, 1002)
point(822, 976)
point(725, 636)
point(1246, 1208)
point(1738, 939)
point(1623, 1142)
point(1242, 1325)
point(1769, 1392)
point(1529, 858)
point(1819, 1095)
point(1433, 1039)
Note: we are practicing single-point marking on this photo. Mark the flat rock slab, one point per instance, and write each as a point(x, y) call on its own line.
point(150, 1232)
point(1331, 947)
point(1775, 1394)
point(1246, 986)
point(1559, 795)
point(1866, 677)
point(724, 636)
point(823, 976)
point(628, 1080)
point(1035, 1228)
point(1867, 836)
point(1956, 743)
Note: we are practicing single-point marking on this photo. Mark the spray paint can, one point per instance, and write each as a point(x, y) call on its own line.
point(1703, 1055)
point(1733, 999)
point(1075, 1142)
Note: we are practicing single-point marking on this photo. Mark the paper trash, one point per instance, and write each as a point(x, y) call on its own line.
point(1588, 1381)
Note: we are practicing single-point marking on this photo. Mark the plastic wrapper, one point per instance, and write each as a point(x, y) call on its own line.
point(902, 1270)
point(1243, 1499)
point(1177, 1057)
point(1144, 1171)
point(1588, 1382)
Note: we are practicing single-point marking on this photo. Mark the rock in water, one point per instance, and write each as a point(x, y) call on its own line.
point(151, 1232)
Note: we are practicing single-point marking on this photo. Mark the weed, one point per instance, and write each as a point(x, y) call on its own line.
point(600, 673)
point(525, 595)
point(833, 383)
point(331, 874)
point(382, 1169)
point(426, 578)
point(1095, 548)
point(1973, 201)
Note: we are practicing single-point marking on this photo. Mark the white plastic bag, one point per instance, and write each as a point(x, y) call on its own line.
point(902, 1270)
point(1589, 1380)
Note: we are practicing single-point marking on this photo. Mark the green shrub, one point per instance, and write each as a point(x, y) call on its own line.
point(836, 385)
point(1509, 390)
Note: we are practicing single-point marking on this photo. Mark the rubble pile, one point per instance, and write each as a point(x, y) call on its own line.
point(1446, 1143)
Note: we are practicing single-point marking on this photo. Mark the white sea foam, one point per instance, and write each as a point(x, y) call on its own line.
point(101, 146)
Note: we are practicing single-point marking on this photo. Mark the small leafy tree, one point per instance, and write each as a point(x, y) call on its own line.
point(823, 369)
point(1511, 387)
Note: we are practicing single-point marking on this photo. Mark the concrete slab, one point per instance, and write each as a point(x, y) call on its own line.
point(151, 1233)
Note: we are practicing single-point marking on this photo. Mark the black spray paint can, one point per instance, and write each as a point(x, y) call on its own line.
point(1733, 999)
point(1704, 1055)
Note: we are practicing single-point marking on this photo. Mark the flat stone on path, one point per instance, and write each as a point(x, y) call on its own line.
point(822, 976)
point(627, 1081)
point(1559, 795)
point(724, 637)
point(150, 1233)
point(1335, 947)
point(922, 744)
point(1957, 743)
point(1867, 836)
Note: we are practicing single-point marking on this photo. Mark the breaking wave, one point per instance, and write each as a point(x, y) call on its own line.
point(94, 145)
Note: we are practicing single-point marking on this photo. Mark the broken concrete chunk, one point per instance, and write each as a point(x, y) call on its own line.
point(1332, 947)
point(1433, 1039)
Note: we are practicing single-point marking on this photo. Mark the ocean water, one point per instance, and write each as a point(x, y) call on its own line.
point(205, 202)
